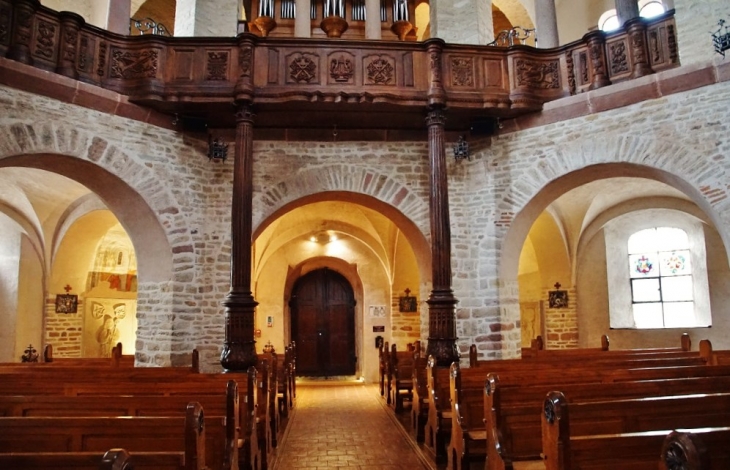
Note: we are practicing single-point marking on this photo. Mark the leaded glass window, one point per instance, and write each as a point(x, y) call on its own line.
point(660, 273)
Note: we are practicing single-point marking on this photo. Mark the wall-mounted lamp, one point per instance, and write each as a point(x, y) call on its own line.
point(720, 39)
point(217, 149)
point(461, 149)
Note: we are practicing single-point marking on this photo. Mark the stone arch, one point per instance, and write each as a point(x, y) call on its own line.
point(103, 168)
point(413, 234)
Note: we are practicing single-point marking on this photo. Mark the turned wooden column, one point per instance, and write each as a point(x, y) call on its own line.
point(597, 59)
point(636, 30)
point(239, 348)
point(441, 302)
point(71, 23)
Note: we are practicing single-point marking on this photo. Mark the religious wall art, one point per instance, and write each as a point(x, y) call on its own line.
point(67, 303)
point(107, 333)
point(407, 303)
point(558, 298)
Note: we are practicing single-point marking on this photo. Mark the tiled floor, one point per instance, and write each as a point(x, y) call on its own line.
point(345, 425)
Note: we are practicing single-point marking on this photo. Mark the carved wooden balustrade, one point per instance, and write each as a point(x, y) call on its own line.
point(203, 76)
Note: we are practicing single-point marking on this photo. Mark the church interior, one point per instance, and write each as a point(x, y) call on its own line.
point(117, 204)
point(389, 193)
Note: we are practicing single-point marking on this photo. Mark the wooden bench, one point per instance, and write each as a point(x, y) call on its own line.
point(117, 359)
point(114, 459)
point(420, 401)
point(383, 359)
point(206, 388)
point(696, 449)
point(400, 377)
point(437, 431)
point(468, 441)
point(145, 434)
point(512, 411)
point(602, 434)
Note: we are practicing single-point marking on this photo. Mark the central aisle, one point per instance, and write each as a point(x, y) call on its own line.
point(345, 425)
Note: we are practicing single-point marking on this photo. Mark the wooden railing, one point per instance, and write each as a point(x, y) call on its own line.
point(202, 76)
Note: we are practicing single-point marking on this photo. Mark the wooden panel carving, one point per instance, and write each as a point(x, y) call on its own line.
point(217, 68)
point(103, 46)
point(273, 66)
point(379, 70)
point(184, 63)
point(134, 64)
point(5, 18)
point(408, 79)
point(23, 28)
point(672, 43)
point(617, 58)
point(245, 58)
point(584, 78)
point(539, 75)
point(462, 71)
point(85, 61)
point(303, 68)
point(70, 39)
point(341, 68)
point(655, 48)
point(45, 39)
point(493, 73)
point(571, 72)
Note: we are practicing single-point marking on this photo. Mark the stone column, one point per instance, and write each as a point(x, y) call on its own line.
point(206, 18)
point(239, 349)
point(373, 25)
point(626, 10)
point(441, 302)
point(120, 11)
point(546, 23)
point(462, 22)
point(303, 22)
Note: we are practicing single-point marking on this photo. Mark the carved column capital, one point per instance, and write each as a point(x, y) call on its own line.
point(244, 112)
point(436, 117)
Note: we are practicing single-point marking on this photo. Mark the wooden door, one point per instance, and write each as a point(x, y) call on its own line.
point(323, 324)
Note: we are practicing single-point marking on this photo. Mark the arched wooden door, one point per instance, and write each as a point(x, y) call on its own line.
point(323, 324)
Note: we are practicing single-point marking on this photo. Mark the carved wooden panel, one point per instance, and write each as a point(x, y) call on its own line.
point(379, 69)
point(462, 71)
point(341, 68)
point(216, 65)
point(618, 59)
point(46, 39)
point(408, 79)
point(183, 60)
point(540, 75)
point(302, 68)
point(85, 56)
point(6, 13)
point(132, 64)
point(69, 45)
point(273, 73)
point(102, 61)
point(494, 73)
point(662, 45)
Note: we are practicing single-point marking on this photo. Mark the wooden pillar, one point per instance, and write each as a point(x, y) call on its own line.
point(71, 23)
point(239, 349)
point(23, 14)
point(636, 30)
point(441, 302)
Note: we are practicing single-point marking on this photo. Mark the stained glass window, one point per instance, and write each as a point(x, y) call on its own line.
point(660, 273)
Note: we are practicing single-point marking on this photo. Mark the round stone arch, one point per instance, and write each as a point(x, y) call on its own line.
point(415, 237)
point(150, 241)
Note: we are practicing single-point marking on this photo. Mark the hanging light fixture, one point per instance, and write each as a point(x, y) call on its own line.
point(461, 149)
point(217, 149)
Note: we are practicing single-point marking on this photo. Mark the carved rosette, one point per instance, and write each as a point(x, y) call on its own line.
point(217, 65)
point(618, 59)
point(462, 71)
point(23, 13)
point(538, 75)
point(380, 70)
point(45, 39)
point(341, 68)
point(134, 64)
point(303, 68)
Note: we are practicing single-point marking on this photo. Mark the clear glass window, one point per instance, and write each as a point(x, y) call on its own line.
point(651, 9)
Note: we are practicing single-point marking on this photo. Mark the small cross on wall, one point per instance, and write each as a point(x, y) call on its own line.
point(68, 288)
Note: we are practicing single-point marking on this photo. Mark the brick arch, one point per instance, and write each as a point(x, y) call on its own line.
point(105, 169)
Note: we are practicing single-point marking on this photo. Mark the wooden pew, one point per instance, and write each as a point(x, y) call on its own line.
point(512, 411)
point(420, 401)
point(117, 359)
point(205, 388)
point(605, 434)
point(468, 441)
point(400, 377)
point(114, 459)
point(696, 449)
point(263, 415)
point(145, 434)
point(383, 354)
point(437, 431)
